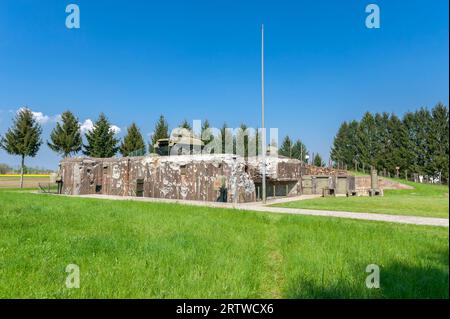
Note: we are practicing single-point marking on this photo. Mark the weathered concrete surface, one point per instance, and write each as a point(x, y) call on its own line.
point(189, 177)
point(196, 177)
point(277, 169)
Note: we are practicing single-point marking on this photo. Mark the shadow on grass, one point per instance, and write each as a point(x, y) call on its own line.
point(397, 281)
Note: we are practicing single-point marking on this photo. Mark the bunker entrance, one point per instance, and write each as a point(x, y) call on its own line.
point(140, 188)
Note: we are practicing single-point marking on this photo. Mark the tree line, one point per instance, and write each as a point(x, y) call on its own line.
point(298, 150)
point(23, 138)
point(8, 169)
point(417, 143)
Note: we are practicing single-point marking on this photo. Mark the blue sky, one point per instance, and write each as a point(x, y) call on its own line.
point(134, 60)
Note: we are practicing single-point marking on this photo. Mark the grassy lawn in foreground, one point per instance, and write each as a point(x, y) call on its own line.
point(424, 200)
point(155, 250)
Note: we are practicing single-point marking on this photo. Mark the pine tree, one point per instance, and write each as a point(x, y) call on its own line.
point(241, 141)
point(397, 154)
point(295, 150)
point(161, 131)
point(23, 138)
point(410, 124)
point(339, 144)
point(254, 143)
point(299, 151)
point(383, 141)
point(185, 124)
point(417, 143)
point(423, 128)
point(101, 140)
point(224, 135)
point(439, 142)
point(366, 141)
point(317, 161)
point(351, 148)
point(258, 138)
point(286, 147)
point(224, 139)
point(206, 133)
point(66, 138)
point(133, 143)
point(345, 145)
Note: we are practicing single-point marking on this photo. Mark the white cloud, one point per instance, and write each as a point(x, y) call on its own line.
point(88, 125)
point(42, 118)
point(115, 129)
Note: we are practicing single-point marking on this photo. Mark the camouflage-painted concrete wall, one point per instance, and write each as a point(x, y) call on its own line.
point(191, 177)
point(195, 177)
point(315, 184)
point(277, 169)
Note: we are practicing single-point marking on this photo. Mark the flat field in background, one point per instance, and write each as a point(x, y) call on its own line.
point(30, 181)
point(426, 200)
point(129, 249)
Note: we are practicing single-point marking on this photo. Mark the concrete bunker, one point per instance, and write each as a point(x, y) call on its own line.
point(212, 177)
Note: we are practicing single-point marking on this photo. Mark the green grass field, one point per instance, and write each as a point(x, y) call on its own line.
point(424, 200)
point(129, 249)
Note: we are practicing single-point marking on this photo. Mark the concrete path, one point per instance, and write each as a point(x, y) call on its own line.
point(443, 222)
point(259, 207)
point(281, 200)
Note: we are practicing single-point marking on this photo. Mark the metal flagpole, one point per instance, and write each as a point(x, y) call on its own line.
point(262, 118)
